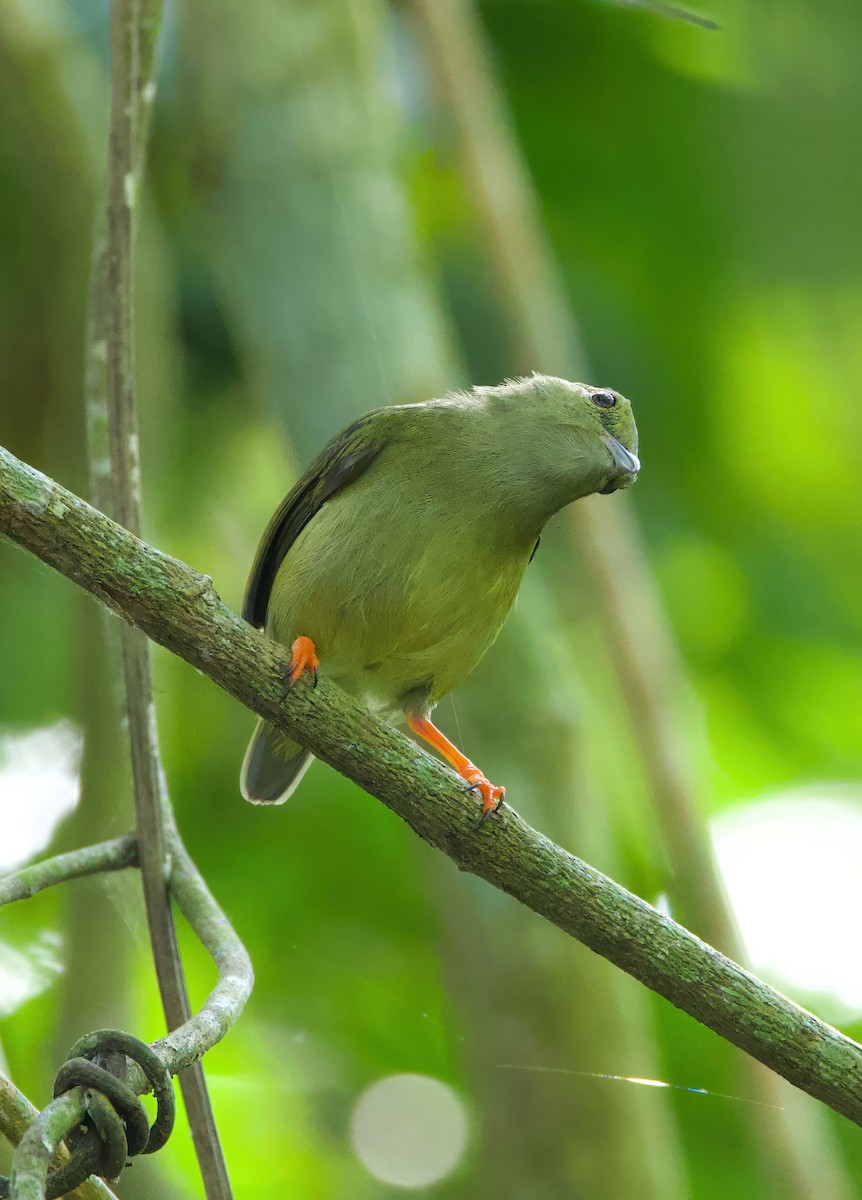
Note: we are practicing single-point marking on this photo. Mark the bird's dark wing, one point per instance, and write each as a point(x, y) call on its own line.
point(345, 458)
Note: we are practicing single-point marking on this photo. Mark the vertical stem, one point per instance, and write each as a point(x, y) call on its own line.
point(122, 433)
point(142, 96)
point(134, 25)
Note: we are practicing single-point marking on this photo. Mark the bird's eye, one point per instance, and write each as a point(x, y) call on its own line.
point(604, 399)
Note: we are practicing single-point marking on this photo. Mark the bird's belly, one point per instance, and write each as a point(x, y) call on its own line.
point(423, 651)
point(394, 619)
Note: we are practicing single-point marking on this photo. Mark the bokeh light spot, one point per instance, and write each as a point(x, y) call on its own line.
point(39, 785)
point(409, 1130)
point(25, 973)
point(790, 864)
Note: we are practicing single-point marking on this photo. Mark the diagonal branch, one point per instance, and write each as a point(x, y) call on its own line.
point(180, 609)
point(91, 860)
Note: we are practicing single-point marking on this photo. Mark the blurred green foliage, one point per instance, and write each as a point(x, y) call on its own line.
point(309, 249)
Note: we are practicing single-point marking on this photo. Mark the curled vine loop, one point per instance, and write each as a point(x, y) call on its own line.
point(116, 1126)
point(158, 1076)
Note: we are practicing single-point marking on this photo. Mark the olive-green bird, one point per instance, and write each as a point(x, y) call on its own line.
point(394, 560)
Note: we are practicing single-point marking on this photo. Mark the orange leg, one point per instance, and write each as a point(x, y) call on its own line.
point(303, 657)
point(492, 797)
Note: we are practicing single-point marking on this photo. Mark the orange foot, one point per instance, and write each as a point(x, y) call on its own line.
point(303, 657)
point(492, 797)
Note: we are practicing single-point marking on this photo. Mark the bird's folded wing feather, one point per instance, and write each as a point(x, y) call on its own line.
point(342, 460)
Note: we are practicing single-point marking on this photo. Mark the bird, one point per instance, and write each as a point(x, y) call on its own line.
point(394, 560)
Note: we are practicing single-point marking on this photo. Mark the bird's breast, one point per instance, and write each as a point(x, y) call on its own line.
point(397, 593)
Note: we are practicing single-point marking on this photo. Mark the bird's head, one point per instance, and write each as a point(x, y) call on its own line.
point(575, 438)
point(618, 433)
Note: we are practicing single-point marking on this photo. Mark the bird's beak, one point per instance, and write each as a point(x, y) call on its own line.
point(627, 466)
point(628, 463)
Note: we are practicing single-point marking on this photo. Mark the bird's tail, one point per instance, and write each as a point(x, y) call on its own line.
point(272, 767)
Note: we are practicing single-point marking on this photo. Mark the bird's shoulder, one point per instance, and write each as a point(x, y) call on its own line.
point(344, 459)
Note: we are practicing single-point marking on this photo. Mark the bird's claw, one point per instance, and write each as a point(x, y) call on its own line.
point(303, 657)
point(492, 796)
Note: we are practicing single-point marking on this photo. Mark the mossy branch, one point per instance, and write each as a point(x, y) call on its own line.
point(179, 608)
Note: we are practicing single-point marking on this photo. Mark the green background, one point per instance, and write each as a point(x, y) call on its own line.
point(310, 248)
